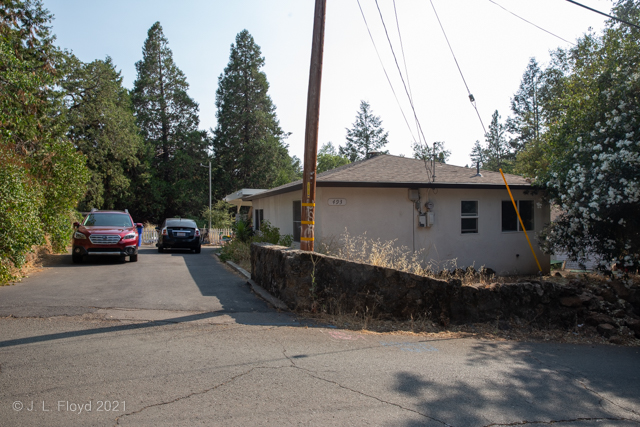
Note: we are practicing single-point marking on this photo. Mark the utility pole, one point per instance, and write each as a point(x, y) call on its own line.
point(204, 166)
point(307, 234)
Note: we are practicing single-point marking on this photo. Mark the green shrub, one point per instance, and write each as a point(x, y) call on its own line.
point(238, 252)
point(21, 227)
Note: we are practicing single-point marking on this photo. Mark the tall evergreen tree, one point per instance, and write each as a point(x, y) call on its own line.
point(497, 153)
point(102, 127)
point(168, 120)
point(248, 141)
point(526, 106)
point(477, 154)
point(367, 135)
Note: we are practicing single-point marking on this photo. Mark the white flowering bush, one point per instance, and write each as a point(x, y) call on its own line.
point(594, 174)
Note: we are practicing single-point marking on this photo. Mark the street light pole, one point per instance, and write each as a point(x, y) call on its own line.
point(204, 166)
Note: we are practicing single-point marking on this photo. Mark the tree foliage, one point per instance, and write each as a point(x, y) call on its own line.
point(328, 158)
point(366, 135)
point(41, 173)
point(593, 145)
point(497, 153)
point(173, 184)
point(102, 127)
point(248, 142)
point(424, 152)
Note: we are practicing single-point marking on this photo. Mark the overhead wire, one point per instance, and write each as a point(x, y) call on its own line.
point(407, 85)
point(604, 14)
point(471, 98)
point(531, 23)
point(385, 71)
point(399, 71)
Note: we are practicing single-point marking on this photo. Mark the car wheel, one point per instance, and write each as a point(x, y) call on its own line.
point(197, 250)
point(133, 258)
point(77, 259)
point(160, 249)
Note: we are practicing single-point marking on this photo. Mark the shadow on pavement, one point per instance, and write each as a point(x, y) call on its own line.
point(536, 383)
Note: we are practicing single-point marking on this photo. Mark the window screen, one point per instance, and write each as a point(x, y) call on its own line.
point(469, 213)
point(510, 220)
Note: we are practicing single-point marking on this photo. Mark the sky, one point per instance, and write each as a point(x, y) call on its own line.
point(491, 45)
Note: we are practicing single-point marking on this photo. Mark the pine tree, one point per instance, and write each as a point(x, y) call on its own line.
point(477, 154)
point(168, 120)
point(366, 135)
point(526, 106)
point(497, 152)
point(248, 141)
point(102, 127)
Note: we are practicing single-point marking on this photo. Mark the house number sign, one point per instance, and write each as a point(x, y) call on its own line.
point(337, 202)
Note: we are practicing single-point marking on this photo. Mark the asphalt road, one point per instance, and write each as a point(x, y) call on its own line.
point(184, 342)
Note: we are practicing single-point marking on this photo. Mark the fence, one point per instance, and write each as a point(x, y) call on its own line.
point(215, 236)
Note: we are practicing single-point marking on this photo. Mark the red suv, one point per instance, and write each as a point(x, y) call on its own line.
point(106, 233)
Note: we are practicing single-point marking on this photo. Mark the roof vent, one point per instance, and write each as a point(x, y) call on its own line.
point(478, 169)
point(371, 154)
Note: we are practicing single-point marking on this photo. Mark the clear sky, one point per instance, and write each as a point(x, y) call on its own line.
point(492, 47)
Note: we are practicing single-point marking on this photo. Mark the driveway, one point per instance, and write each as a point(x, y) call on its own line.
point(159, 286)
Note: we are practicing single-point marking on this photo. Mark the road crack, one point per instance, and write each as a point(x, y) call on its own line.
point(195, 393)
point(313, 374)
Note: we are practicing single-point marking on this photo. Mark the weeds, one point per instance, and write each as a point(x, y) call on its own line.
point(386, 254)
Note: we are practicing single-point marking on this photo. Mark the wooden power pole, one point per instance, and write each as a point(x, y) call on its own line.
point(311, 133)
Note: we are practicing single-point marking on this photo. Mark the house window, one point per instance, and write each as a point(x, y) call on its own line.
point(469, 214)
point(259, 215)
point(510, 220)
point(297, 218)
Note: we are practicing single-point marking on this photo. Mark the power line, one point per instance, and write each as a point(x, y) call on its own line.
point(531, 23)
point(404, 60)
point(430, 172)
point(385, 71)
point(604, 14)
point(471, 98)
point(400, 72)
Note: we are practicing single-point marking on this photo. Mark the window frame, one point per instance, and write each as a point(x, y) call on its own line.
point(467, 216)
point(297, 223)
point(518, 225)
point(259, 217)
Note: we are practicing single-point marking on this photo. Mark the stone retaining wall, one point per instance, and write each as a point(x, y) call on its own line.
point(311, 281)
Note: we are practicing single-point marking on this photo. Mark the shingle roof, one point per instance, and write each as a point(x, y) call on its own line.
point(392, 171)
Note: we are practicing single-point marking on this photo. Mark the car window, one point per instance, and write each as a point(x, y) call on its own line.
point(108, 220)
point(181, 223)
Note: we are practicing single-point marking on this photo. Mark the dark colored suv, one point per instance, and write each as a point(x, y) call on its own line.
point(179, 233)
point(111, 233)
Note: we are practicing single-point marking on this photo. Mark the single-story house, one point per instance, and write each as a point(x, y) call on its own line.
point(451, 212)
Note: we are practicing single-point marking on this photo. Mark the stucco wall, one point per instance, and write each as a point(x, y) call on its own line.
point(388, 214)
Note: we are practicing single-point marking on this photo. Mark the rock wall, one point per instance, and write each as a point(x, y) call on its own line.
point(310, 281)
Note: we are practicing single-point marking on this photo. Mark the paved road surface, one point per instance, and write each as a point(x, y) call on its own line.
point(222, 357)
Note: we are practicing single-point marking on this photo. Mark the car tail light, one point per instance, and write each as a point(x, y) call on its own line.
point(197, 232)
point(164, 231)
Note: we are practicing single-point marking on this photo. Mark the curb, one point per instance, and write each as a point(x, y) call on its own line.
point(259, 290)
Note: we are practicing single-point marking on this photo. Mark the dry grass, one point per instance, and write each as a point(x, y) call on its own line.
point(386, 254)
